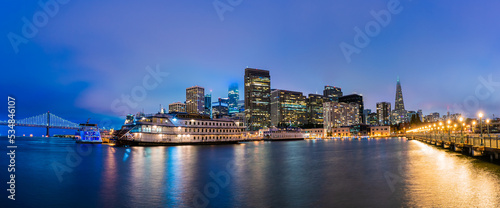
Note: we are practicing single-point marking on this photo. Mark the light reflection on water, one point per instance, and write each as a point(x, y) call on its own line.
point(311, 173)
point(446, 179)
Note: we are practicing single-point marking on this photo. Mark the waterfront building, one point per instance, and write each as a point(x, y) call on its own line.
point(277, 134)
point(338, 114)
point(315, 109)
point(332, 93)
point(288, 108)
point(380, 131)
point(208, 104)
point(257, 99)
point(340, 132)
point(177, 107)
point(234, 97)
point(355, 98)
point(399, 113)
point(384, 113)
point(195, 100)
point(313, 133)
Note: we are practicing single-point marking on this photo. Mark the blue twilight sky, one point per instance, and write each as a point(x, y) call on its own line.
point(87, 55)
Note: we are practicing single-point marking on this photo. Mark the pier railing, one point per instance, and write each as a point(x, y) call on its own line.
point(475, 140)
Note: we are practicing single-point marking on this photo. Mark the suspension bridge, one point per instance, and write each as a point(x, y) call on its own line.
point(46, 120)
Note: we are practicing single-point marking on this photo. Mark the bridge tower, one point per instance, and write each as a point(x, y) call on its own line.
point(48, 123)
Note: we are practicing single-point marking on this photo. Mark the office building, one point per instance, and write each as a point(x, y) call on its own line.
point(288, 108)
point(384, 113)
point(354, 98)
point(315, 109)
point(219, 110)
point(208, 104)
point(337, 114)
point(195, 100)
point(257, 99)
point(372, 119)
point(332, 93)
point(177, 107)
point(234, 97)
point(241, 106)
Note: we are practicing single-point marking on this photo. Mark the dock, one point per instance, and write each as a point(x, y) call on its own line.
point(470, 144)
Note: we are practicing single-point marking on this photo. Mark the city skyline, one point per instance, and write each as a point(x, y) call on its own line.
point(98, 62)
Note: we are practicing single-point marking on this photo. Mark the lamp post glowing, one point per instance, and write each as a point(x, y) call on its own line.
point(461, 119)
point(434, 130)
point(440, 125)
point(488, 126)
point(481, 126)
point(474, 127)
point(449, 129)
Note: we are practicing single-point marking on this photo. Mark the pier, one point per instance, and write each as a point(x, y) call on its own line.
point(471, 144)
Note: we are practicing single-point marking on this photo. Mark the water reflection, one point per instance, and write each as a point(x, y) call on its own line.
point(318, 173)
point(441, 178)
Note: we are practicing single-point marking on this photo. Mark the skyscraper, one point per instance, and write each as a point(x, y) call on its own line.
point(338, 114)
point(234, 97)
point(195, 100)
point(355, 98)
point(288, 108)
point(257, 99)
point(384, 113)
point(399, 113)
point(315, 109)
point(399, 103)
point(332, 93)
point(208, 104)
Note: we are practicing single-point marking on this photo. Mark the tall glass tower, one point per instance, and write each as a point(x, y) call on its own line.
point(257, 99)
point(234, 97)
point(399, 113)
point(399, 103)
point(195, 100)
point(208, 104)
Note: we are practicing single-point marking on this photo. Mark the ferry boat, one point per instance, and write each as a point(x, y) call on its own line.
point(88, 133)
point(277, 134)
point(178, 129)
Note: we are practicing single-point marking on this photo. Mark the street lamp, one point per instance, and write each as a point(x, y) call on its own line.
point(434, 130)
point(474, 127)
point(481, 126)
point(488, 126)
point(449, 130)
point(461, 119)
point(440, 124)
